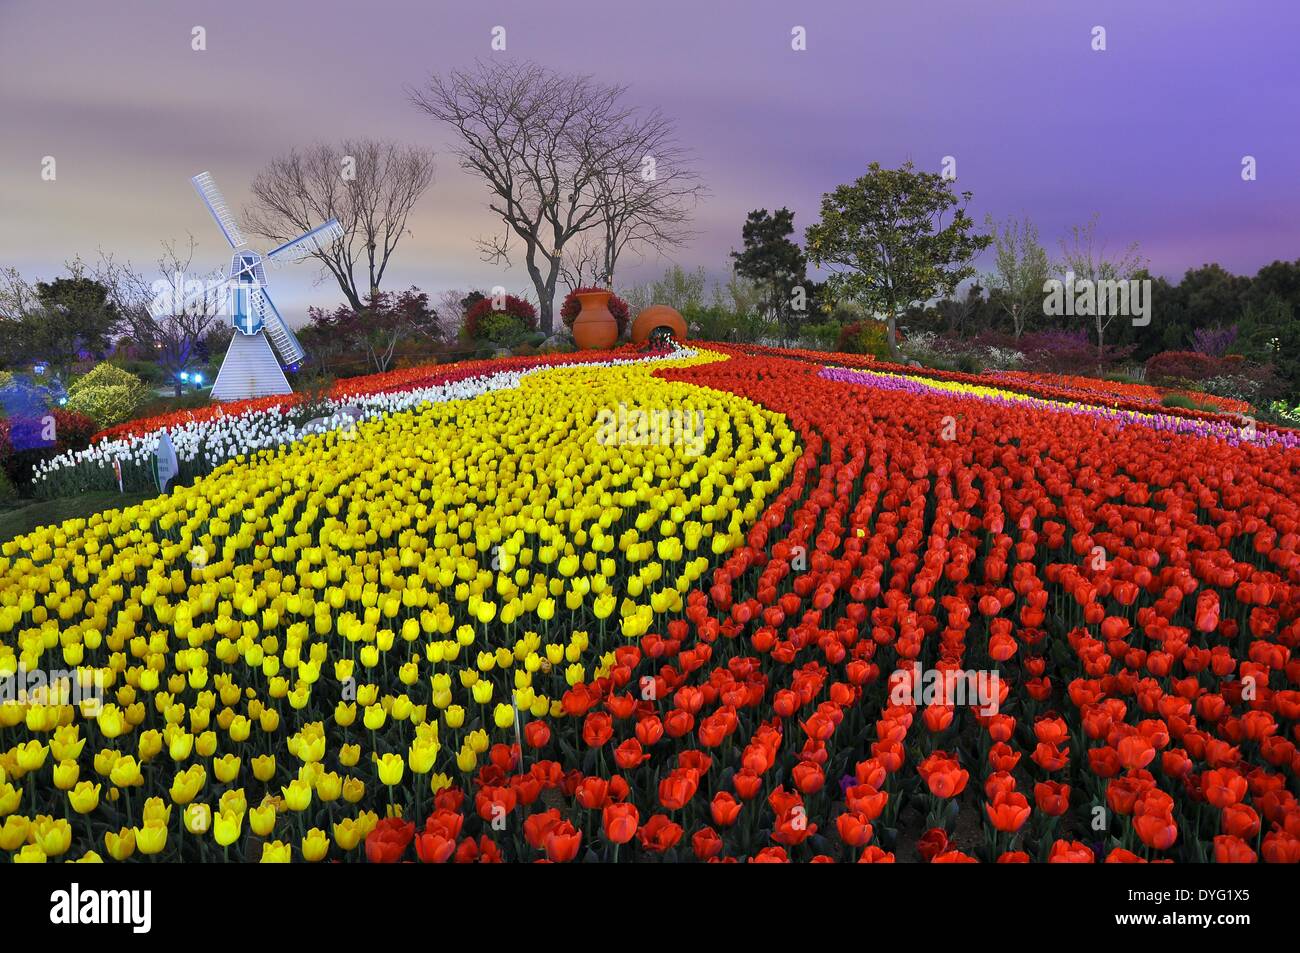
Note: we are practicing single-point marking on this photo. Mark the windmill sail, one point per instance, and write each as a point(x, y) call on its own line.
point(216, 203)
point(286, 344)
point(314, 240)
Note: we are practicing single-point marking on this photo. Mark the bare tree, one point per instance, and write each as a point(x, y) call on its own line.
point(369, 185)
point(172, 336)
point(542, 141)
point(648, 190)
point(583, 263)
point(1084, 258)
point(17, 294)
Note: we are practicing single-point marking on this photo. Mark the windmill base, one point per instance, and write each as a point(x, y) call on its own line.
point(250, 369)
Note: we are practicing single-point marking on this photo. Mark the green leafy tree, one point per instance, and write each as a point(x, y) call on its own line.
point(1020, 270)
point(679, 288)
point(776, 265)
point(889, 243)
point(1270, 333)
point(70, 315)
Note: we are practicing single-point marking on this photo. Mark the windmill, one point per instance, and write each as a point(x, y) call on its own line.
point(250, 368)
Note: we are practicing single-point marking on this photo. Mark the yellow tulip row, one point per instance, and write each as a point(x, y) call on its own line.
point(409, 571)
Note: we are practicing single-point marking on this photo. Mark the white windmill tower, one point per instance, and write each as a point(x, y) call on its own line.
point(250, 368)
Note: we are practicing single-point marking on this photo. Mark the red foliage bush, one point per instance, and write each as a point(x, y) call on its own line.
point(1180, 367)
point(617, 307)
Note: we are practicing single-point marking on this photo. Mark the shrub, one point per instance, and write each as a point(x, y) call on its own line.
point(503, 327)
point(822, 337)
point(1184, 402)
point(1214, 341)
point(865, 337)
point(1182, 367)
point(108, 394)
point(7, 491)
point(1253, 383)
point(1284, 414)
point(617, 307)
point(1068, 351)
point(716, 323)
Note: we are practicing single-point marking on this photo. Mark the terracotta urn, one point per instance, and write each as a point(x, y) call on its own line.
point(594, 328)
point(658, 317)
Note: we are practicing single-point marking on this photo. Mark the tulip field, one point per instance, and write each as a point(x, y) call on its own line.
point(795, 607)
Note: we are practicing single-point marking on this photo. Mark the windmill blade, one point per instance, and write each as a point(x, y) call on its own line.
point(283, 339)
point(314, 240)
point(166, 304)
point(216, 203)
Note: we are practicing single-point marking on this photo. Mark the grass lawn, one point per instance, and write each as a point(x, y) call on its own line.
point(25, 517)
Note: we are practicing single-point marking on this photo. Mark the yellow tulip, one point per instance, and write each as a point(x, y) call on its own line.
point(180, 746)
point(347, 834)
point(111, 721)
point(13, 832)
point(264, 767)
point(261, 819)
point(187, 784)
point(151, 837)
point(226, 827)
point(233, 800)
point(31, 756)
point(329, 786)
point(52, 836)
point(276, 852)
point(198, 818)
point(421, 757)
point(466, 759)
point(391, 769)
point(375, 717)
point(84, 798)
point(226, 768)
point(354, 789)
point(126, 772)
point(10, 798)
point(297, 795)
point(503, 715)
point(315, 845)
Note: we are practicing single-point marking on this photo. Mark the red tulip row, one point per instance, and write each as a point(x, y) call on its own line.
point(1115, 395)
point(1094, 623)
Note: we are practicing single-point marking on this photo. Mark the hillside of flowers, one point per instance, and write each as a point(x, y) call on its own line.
point(703, 603)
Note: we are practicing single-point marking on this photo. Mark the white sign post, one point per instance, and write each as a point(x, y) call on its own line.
point(164, 462)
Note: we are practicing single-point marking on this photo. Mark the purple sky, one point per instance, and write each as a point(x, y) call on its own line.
point(1150, 134)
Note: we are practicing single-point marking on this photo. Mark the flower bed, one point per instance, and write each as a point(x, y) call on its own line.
point(867, 616)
